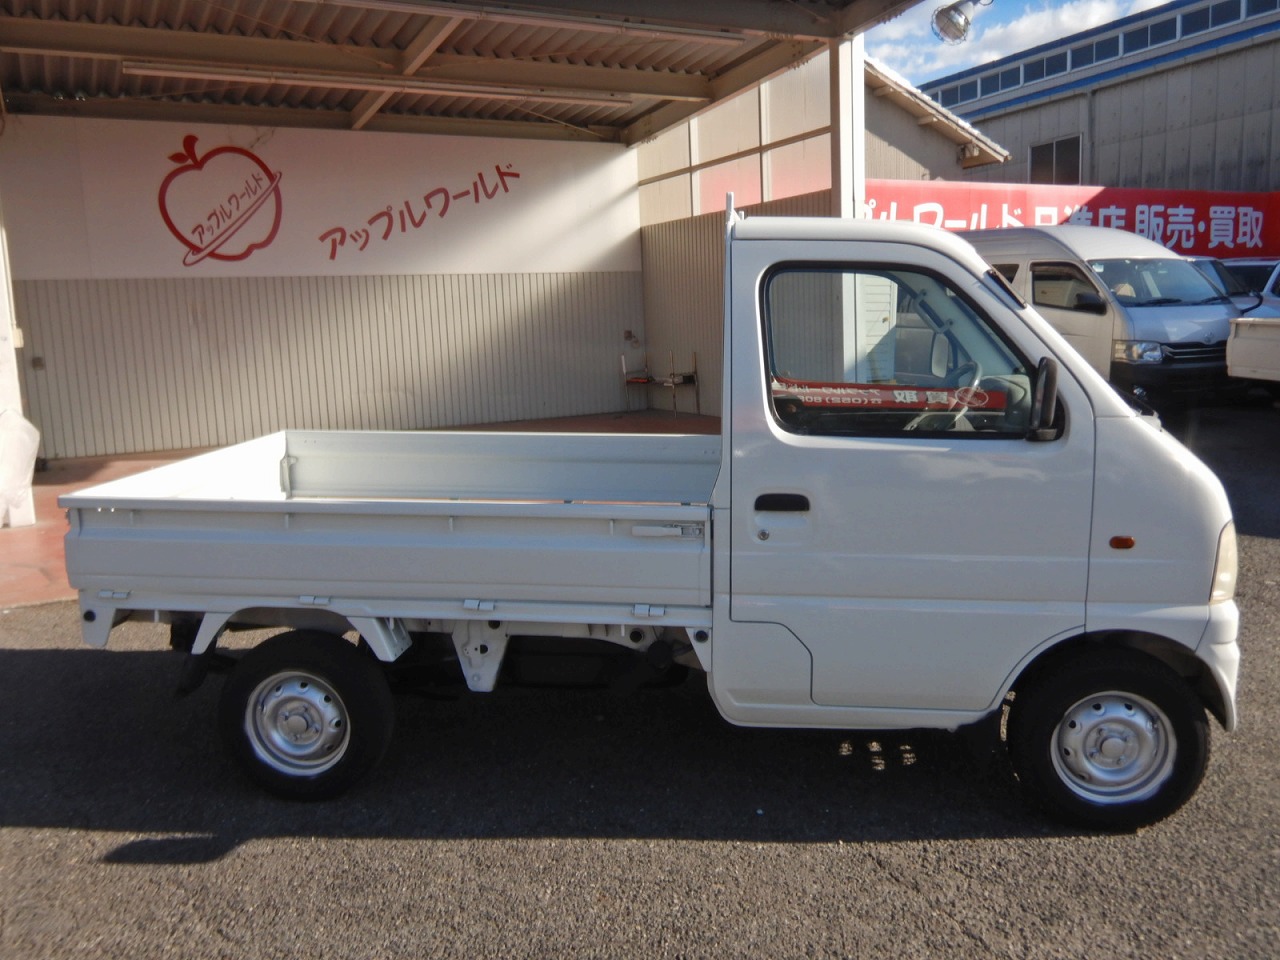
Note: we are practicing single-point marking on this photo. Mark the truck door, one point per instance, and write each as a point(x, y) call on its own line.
point(887, 509)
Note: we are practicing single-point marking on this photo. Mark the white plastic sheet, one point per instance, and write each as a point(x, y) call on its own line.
point(19, 441)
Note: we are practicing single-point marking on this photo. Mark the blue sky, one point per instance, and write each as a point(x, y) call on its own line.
point(1002, 27)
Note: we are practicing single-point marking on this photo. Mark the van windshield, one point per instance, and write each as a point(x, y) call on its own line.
point(1220, 276)
point(1150, 283)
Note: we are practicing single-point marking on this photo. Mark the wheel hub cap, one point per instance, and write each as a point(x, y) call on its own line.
point(297, 724)
point(1114, 748)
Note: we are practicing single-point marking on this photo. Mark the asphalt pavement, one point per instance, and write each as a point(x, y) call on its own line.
point(586, 824)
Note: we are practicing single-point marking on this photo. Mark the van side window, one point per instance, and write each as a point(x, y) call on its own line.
point(875, 350)
point(1007, 270)
point(1061, 285)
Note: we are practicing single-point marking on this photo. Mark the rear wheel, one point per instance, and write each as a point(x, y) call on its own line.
point(306, 715)
point(1116, 740)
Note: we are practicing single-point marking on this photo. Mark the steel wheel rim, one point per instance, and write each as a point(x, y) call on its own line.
point(297, 724)
point(1114, 748)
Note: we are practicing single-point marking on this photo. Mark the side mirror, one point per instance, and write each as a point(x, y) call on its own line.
point(1044, 402)
point(1090, 302)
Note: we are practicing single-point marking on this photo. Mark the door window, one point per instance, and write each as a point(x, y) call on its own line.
point(1061, 285)
point(875, 350)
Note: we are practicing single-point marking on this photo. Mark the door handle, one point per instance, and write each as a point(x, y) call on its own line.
point(782, 503)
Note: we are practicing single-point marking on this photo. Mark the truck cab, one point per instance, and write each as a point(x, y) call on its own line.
point(913, 506)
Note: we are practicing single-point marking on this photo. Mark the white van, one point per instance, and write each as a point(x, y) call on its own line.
point(1144, 317)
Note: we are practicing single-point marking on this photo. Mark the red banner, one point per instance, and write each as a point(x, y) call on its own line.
point(886, 396)
point(1202, 222)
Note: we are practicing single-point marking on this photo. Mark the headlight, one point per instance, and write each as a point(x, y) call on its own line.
point(1137, 351)
point(1225, 566)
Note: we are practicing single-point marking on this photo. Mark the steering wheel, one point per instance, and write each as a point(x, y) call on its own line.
point(968, 374)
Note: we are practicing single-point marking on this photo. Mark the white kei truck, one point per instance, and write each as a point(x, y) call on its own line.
point(1253, 352)
point(924, 510)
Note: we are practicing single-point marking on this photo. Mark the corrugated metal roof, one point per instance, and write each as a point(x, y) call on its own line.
point(573, 69)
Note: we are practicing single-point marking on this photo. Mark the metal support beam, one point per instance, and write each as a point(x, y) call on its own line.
point(376, 82)
point(725, 21)
point(771, 61)
point(102, 41)
point(339, 65)
point(862, 15)
point(848, 128)
point(426, 43)
point(129, 108)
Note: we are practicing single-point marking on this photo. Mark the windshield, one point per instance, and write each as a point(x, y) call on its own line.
point(1150, 283)
point(1220, 276)
point(1253, 275)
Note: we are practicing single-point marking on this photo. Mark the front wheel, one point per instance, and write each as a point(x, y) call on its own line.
point(305, 715)
point(1114, 740)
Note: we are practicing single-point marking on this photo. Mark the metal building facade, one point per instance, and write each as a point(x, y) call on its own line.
point(1182, 96)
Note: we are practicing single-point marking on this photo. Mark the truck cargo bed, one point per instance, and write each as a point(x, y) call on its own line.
point(1253, 352)
point(414, 524)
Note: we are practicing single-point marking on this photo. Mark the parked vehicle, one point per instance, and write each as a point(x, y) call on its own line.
point(1143, 317)
point(1261, 274)
point(1253, 351)
point(925, 511)
point(1248, 301)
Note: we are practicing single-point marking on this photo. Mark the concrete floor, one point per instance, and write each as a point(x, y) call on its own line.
point(32, 568)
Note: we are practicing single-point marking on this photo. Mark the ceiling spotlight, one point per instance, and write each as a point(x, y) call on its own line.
point(951, 23)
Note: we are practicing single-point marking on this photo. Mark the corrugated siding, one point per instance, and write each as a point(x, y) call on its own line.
point(1018, 132)
point(1205, 124)
point(1212, 124)
point(684, 296)
point(127, 366)
point(804, 337)
point(684, 306)
point(899, 148)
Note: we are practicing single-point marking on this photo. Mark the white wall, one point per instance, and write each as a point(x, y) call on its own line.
point(329, 297)
point(85, 199)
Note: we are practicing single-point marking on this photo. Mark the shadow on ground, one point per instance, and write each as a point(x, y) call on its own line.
point(94, 740)
point(1240, 442)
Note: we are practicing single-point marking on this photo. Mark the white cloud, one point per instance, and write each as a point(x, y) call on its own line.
point(1000, 29)
point(1043, 24)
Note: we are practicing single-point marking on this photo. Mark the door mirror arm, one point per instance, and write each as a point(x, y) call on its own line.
point(1044, 402)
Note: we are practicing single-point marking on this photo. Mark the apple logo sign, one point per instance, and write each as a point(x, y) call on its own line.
point(223, 205)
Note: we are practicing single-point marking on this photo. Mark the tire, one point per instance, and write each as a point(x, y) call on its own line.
point(1113, 740)
point(305, 715)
